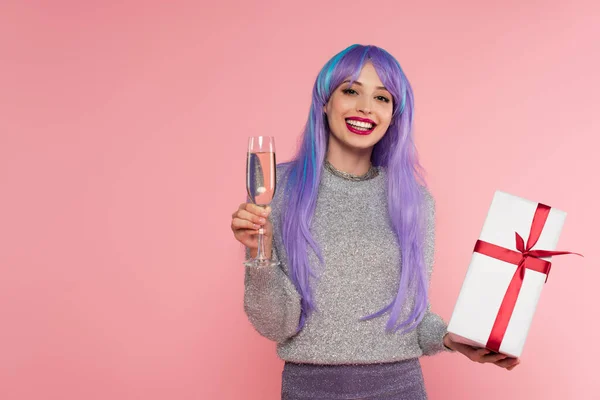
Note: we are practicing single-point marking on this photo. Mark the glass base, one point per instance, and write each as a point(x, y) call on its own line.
point(260, 263)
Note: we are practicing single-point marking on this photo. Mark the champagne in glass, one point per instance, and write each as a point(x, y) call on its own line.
point(260, 183)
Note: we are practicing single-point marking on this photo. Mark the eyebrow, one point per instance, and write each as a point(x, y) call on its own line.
point(360, 84)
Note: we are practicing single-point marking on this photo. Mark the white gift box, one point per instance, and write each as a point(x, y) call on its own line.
point(488, 278)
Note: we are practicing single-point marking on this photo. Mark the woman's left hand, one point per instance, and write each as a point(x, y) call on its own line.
point(482, 355)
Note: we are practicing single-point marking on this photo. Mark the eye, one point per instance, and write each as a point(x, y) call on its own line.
point(383, 98)
point(349, 91)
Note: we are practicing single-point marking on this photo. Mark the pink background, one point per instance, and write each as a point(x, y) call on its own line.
point(122, 146)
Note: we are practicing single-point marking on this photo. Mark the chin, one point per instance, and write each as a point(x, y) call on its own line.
point(355, 141)
point(363, 142)
point(360, 146)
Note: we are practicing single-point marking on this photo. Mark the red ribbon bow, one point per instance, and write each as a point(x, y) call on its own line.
point(525, 258)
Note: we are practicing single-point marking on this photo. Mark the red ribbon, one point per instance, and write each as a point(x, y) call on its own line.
point(525, 258)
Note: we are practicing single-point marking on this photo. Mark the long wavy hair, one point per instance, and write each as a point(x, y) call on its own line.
point(395, 152)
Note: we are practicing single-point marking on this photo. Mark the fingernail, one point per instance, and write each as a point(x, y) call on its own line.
point(262, 220)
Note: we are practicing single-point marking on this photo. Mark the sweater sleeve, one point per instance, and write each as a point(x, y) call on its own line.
point(271, 301)
point(432, 328)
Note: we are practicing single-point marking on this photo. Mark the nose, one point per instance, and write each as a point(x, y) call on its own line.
point(364, 106)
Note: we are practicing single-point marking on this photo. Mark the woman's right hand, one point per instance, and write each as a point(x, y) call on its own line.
point(245, 223)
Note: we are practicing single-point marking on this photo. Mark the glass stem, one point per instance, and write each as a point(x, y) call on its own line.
point(260, 255)
point(261, 245)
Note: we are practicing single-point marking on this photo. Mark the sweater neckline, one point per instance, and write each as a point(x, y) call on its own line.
point(332, 181)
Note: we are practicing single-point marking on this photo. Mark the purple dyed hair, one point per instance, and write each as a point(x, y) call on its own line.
point(396, 152)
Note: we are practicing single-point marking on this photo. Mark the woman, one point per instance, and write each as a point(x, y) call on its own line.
point(352, 226)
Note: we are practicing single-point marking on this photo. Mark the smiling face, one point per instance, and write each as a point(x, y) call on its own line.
point(360, 114)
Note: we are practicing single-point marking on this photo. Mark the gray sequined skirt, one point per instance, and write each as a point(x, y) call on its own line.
point(386, 381)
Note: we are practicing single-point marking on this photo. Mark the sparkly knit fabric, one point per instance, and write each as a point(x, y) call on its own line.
point(359, 278)
point(388, 381)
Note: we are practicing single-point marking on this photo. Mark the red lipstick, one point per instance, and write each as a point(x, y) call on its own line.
point(362, 120)
point(360, 131)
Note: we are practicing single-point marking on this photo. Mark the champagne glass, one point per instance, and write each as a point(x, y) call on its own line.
point(260, 184)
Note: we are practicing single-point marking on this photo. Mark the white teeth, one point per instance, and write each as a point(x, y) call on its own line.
point(359, 124)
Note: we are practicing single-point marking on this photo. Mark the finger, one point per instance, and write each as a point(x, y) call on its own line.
point(483, 351)
point(247, 215)
point(493, 357)
point(238, 224)
point(254, 209)
point(513, 367)
point(486, 355)
point(475, 354)
point(509, 362)
point(471, 353)
point(480, 353)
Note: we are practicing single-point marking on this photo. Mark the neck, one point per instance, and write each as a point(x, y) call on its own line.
point(355, 163)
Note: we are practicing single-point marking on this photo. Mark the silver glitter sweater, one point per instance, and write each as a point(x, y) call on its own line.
point(360, 277)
